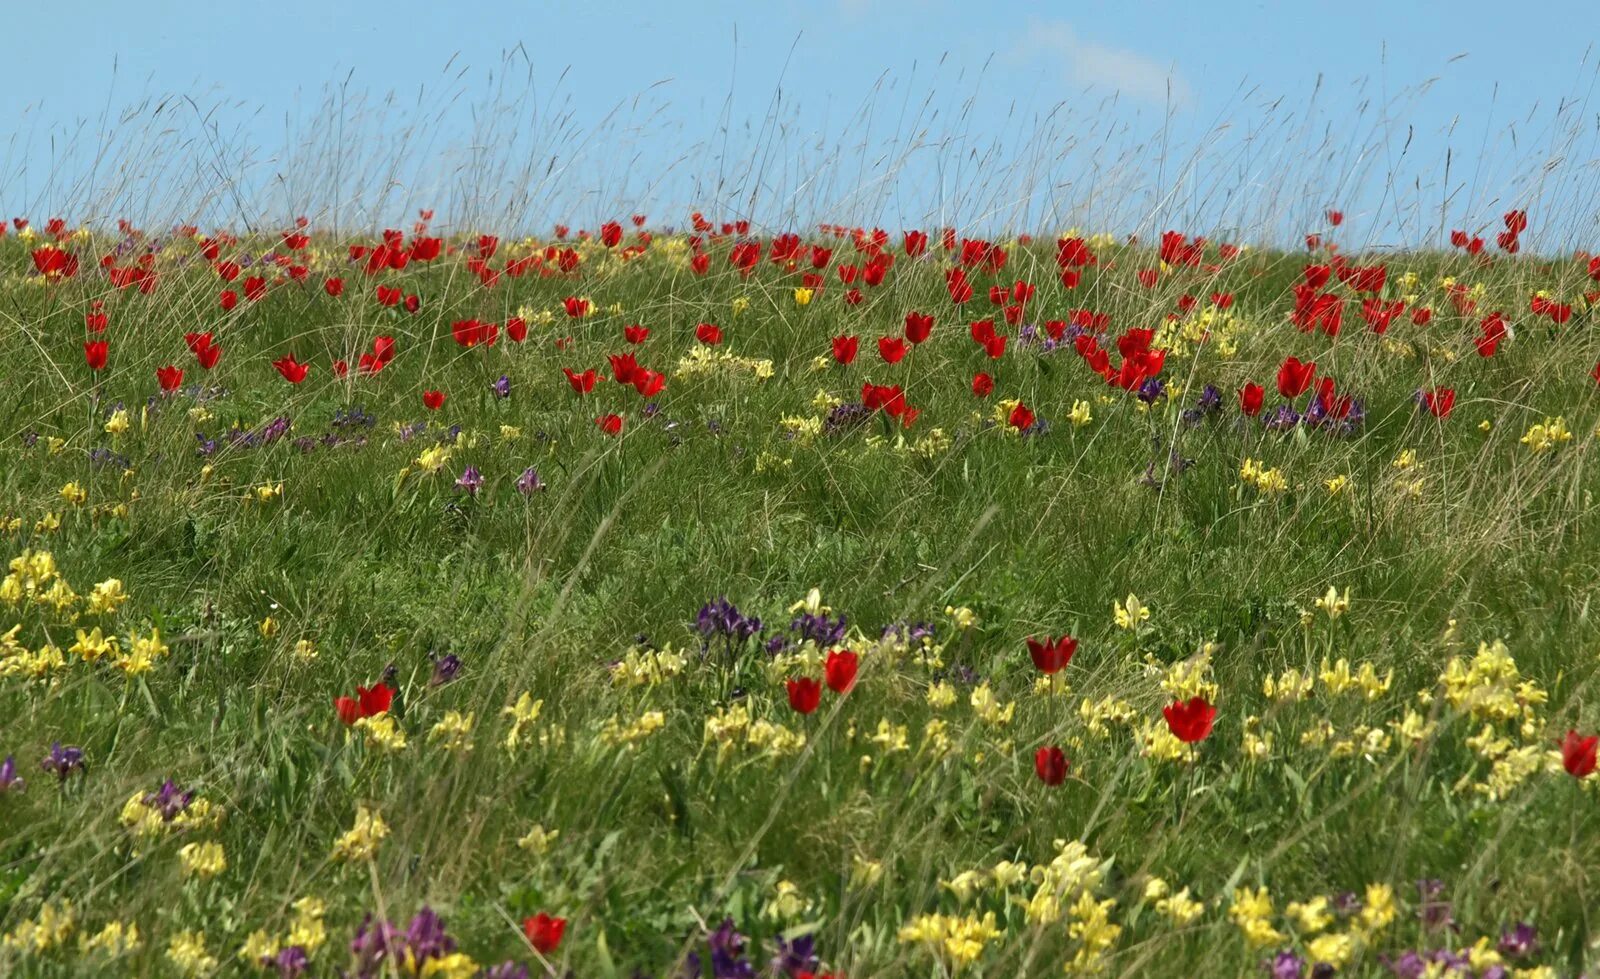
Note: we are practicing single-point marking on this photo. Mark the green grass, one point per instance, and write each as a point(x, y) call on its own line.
point(381, 564)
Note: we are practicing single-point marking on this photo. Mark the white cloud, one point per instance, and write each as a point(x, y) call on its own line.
point(1086, 63)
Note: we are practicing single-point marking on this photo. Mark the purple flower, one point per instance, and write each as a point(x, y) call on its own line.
point(796, 957)
point(168, 800)
point(1283, 419)
point(9, 780)
point(445, 669)
point(727, 954)
point(426, 938)
point(1410, 965)
point(1151, 389)
point(1285, 965)
point(1435, 912)
point(506, 970)
point(291, 962)
point(819, 628)
point(722, 618)
point(471, 480)
point(529, 482)
point(502, 387)
point(62, 761)
point(1519, 941)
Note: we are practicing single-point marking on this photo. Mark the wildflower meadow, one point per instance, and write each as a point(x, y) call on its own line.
point(692, 595)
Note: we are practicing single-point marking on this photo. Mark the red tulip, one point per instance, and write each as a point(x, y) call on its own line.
point(1021, 417)
point(333, 287)
point(982, 384)
point(648, 382)
point(1250, 398)
point(254, 288)
point(891, 349)
point(804, 694)
point(169, 377)
point(433, 399)
point(1335, 218)
point(1050, 764)
point(845, 347)
point(228, 299)
point(636, 333)
point(1052, 655)
point(610, 424)
point(376, 699)
point(516, 329)
point(918, 326)
point(581, 383)
point(544, 932)
point(1578, 753)
point(1294, 377)
point(95, 353)
point(708, 333)
point(1190, 722)
point(348, 709)
point(839, 670)
point(292, 370)
point(1440, 401)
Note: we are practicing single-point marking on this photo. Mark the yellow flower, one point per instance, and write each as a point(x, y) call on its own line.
point(361, 841)
point(202, 859)
point(268, 627)
point(786, 903)
point(47, 930)
point(1546, 435)
point(616, 733)
point(963, 618)
point(107, 597)
point(1080, 415)
point(739, 304)
point(119, 422)
point(1130, 614)
point(142, 653)
point(383, 732)
point(864, 873)
point(187, 952)
point(523, 714)
point(1251, 911)
point(113, 940)
point(305, 650)
point(454, 730)
point(538, 840)
point(1337, 484)
point(802, 297)
point(74, 494)
point(1334, 603)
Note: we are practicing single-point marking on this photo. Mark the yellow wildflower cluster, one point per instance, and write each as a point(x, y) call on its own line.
point(706, 362)
point(524, 714)
point(959, 939)
point(361, 841)
point(647, 667)
point(1267, 482)
point(616, 732)
point(306, 931)
point(48, 929)
point(1489, 686)
point(1546, 435)
point(453, 731)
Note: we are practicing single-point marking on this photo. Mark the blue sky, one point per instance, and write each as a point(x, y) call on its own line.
point(1226, 116)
